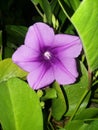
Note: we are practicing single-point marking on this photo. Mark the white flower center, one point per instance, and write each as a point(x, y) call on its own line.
point(47, 55)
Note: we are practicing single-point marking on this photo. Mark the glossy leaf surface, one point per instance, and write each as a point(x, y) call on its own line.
point(20, 105)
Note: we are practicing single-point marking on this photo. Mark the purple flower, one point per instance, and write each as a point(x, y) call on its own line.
point(48, 57)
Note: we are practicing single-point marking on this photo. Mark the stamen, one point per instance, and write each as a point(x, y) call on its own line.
point(47, 55)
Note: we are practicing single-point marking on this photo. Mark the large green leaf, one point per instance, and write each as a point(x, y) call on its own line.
point(8, 70)
point(19, 106)
point(85, 20)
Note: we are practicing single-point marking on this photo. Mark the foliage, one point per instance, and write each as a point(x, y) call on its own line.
point(70, 107)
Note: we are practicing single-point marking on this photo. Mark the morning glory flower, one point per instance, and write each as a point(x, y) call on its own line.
point(48, 56)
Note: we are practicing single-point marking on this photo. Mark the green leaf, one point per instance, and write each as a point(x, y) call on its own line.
point(74, 125)
point(7, 52)
point(45, 5)
point(19, 106)
point(93, 126)
point(54, 5)
point(8, 70)
point(88, 113)
point(15, 34)
point(84, 127)
point(67, 9)
point(62, 129)
point(15, 37)
point(76, 91)
point(85, 21)
point(47, 10)
point(69, 6)
point(74, 4)
point(50, 93)
point(59, 106)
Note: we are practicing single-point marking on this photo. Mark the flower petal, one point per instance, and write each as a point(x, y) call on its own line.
point(38, 35)
point(71, 65)
point(29, 66)
point(41, 77)
point(67, 46)
point(26, 58)
point(61, 39)
point(63, 75)
point(24, 53)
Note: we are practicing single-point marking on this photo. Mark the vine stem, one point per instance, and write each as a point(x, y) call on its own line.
point(38, 10)
point(63, 9)
point(84, 94)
